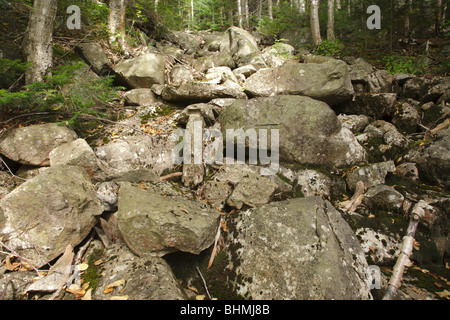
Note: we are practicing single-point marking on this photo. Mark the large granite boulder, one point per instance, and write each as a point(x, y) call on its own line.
point(41, 217)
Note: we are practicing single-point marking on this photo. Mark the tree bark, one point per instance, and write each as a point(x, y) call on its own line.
point(239, 7)
point(116, 22)
point(38, 39)
point(330, 25)
point(439, 22)
point(315, 26)
point(270, 9)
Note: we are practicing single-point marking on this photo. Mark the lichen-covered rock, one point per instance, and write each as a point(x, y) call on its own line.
point(202, 92)
point(384, 197)
point(406, 118)
point(45, 214)
point(95, 57)
point(309, 130)
point(433, 159)
point(142, 71)
point(328, 81)
point(152, 224)
point(380, 247)
point(372, 175)
point(296, 249)
point(32, 145)
point(75, 153)
point(139, 97)
point(148, 278)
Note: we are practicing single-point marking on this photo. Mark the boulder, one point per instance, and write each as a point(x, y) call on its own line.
point(217, 59)
point(32, 145)
point(220, 75)
point(433, 159)
point(148, 278)
point(406, 118)
point(152, 224)
point(142, 71)
point(139, 97)
point(202, 92)
point(312, 183)
point(377, 105)
point(309, 130)
point(328, 81)
point(93, 54)
point(75, 153)
point(243, 46)
point(130, 153)
point(107, 193)
point(181, 74)
point(41, 217)
point(382, 197)
point(378, 246)
point(372, 175)
point(355, 123)
point(299, 249)
point(252, 190)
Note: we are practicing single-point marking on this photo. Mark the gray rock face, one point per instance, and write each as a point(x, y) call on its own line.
point(372, 175)
point(309, 131)
point(297, 249)
point(45, 214)
point(384, 198)
point(32, 145)
point(136, 152)
point(153, 224)
point(148, 278)
point(328, 81)
point(202, 92)
point(139, 97)
point(95, 57)
point(243, 46)
point(75, 153)
point(142, 71)
point(406, 118)
point(433, 159)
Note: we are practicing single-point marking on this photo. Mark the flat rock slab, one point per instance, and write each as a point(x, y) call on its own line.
point(154, 224)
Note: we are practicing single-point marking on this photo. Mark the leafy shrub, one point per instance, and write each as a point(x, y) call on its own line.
point(401, 64)
point(329, 48)
point(69, 92)
point(10, 70)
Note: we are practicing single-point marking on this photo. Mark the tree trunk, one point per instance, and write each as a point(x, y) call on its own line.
point(330, 25)
point(192, 14)
point(315, 26)
point(239, 6)
point(247, 14)
point(439, 22)
point(38, 39)
point(116, 22)
point(270, 9)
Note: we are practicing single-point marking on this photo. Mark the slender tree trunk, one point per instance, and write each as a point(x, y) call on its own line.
point(330, 25)
point(315, 26)
point(116, 22)
point(156, 5)
point(38, 39)
point(270, 9)
point(247, 14)
point(192, 14)
point(439, 22)
point(259, 9)
point(239, 6)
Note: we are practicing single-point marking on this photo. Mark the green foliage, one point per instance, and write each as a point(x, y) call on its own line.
point(71, 91)
point(284, 17)
point(400, 64)
point(10, 70)
point(329, 48)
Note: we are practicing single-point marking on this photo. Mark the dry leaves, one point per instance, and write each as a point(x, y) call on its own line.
point(110, 287)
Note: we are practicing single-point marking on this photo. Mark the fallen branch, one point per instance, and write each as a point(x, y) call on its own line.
point(420, 211)
point(214, 251)
point(204, 283)
point(356, 200)
point(172, 175)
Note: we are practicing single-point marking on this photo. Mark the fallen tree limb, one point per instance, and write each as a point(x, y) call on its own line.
point(356, 200)
point(419, 212)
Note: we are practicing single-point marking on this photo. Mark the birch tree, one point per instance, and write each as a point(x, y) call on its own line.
point(315, 26)
point(330, 25)
point(38, 39)
point(116, 22)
